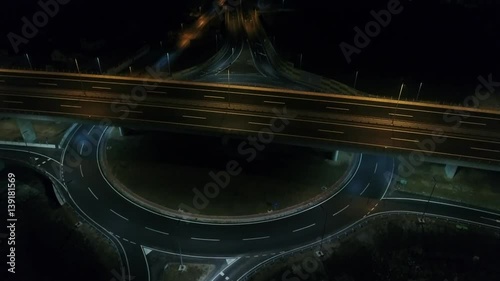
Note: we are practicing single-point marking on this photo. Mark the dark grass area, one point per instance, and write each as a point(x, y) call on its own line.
point(48, 245)
point(165, 168)
point(470, 186)
point(399, 249)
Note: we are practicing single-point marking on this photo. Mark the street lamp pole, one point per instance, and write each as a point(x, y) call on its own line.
point(397, 104)
point(430, 195)
point(168, 59)
point(99, 64)
point(356, 79)
point(180, 253)
point(300, 62)
point(324, 228)
point(77, 66)
point(228, 88)
point(80, 76)
point(29, 61)
point(419, 88)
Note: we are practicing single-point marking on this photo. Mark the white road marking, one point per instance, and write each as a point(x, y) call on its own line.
point(443, 203)
point(81, 149)
point(214, 97)
point(125, 239)
point(341, 210)
point(255, 238)
point(484, 149)
point(91, 130)
point(81, 172)
point(194, 117)
point(337, 108)
point(118, 214)
point(132, 242)
point(497, 221)
point(92, 193)
point(376, 167)
point(131, 111)
point(401, 115)
point(328, 131)
point(274, 102)
point(13, 101)
point(407, 140)
point(101, 88)
point(72, 106)
point(47, 84)
point(305, 227)
point(364, 189)
point(472, 123)
point(205, 239)
point(260, 124)
point(152, 229)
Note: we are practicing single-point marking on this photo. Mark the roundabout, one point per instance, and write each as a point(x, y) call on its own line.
point(135, 226)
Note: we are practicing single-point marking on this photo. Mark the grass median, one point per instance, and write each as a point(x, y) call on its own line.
point(470, 186)
point(165, 168)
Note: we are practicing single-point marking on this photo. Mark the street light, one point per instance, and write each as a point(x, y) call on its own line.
point(168, 59)
point(397, 104)
point(300, 61)
point(356, 79)
point(419, 88)
point(430, 195)
point(29, 61)
point(99, 64)
point(80, 76)
point(324, 227)
point(400, 91)
point(77, 67)
point(228, 88)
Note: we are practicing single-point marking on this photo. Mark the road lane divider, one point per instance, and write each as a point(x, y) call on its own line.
point(118, 214)
point(364, 189)
point(194, 117)
point(305, 227)
point(485, 149)
point(92, 193)
point(13, 101)
point(329, 131)
point(71, 106)
point(401, 115)
point(472, 123)
point(337, 108)
point(343, 209)
point(256, 238)
point(47, 84)
point(205, 239)
point(155, 230)
point(407, 140)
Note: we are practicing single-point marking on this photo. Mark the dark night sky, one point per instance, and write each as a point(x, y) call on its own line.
point(446, 46)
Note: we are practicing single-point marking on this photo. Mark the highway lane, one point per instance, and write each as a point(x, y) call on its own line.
point(328, 106)
point(295, 129)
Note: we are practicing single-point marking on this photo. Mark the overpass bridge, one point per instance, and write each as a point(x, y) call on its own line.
point(462, 134)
